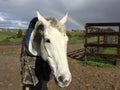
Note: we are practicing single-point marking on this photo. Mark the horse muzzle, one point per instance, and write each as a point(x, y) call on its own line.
point(63, 80)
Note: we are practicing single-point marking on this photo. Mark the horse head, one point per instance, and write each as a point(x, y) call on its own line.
point(49, 40)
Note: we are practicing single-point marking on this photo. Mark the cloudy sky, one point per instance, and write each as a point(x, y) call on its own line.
point(18, 13)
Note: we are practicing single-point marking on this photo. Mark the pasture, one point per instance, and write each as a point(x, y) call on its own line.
point(85, 77)
point(14, 37)
point(8, 37)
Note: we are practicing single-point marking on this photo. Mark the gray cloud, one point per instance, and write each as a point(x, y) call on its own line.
point(99, 11)
point(83, 11)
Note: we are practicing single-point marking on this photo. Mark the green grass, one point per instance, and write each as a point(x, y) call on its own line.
point(75, 41)
point(99, 62)
point(109, 51)
point(4, 37)
point(92, 40)
point(17, 40)
point(11, 41)
point(4, 34)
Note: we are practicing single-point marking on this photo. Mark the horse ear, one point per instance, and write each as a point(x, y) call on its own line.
point(64, 19)
point(42, 19)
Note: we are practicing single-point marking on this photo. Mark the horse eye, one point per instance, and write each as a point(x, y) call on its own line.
point(40, 27)
point(47, 40)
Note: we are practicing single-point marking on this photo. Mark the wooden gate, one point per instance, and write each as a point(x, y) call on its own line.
point(101, 37)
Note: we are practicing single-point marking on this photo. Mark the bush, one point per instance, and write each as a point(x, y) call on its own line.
point(20, 34)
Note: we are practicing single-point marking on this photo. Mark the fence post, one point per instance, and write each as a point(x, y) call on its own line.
point(118, 51)
point(118, 62)
point(85, 45)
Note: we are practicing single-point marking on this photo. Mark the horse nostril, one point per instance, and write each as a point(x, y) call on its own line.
point(61, 78)
point(66, 81)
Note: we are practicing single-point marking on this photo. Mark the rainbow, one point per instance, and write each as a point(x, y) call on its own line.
point(71, 19)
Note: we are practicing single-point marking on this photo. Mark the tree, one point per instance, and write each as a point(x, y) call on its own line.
point(19, 34)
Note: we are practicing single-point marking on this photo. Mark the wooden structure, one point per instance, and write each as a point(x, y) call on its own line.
point(77, 54)
point(105, 38)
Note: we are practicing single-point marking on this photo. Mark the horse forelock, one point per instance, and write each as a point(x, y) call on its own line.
point(54, 23)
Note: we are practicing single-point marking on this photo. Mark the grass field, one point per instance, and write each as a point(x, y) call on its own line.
point(4, 34)
point(99, 61)
point(5, 38)
point(9, 37)
point(75, 41)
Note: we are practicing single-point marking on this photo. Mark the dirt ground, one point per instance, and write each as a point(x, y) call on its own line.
point(84, 77)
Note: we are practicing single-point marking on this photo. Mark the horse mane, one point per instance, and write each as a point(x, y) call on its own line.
point(55, 23)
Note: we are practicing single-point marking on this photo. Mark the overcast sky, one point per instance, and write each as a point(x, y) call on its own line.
point(18, 13)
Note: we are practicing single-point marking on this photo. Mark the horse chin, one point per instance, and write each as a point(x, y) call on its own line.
point(61, 84)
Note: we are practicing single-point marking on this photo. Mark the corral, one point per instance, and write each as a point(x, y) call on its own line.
point(102, 39)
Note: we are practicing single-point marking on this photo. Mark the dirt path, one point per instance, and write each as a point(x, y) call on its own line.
point(84, 77)
point(9, 73)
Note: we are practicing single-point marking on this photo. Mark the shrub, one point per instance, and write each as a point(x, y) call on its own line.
point(20, 34)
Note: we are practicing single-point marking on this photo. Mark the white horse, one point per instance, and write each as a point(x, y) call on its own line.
point(51, 45)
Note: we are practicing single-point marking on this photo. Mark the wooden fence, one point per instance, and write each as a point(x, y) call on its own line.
point(104, 38)
point(77, 54)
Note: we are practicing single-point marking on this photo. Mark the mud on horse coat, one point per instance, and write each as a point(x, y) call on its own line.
point(35, 71)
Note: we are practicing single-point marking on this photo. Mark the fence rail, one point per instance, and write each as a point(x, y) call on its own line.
point(77, 54)
point(98, 30)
